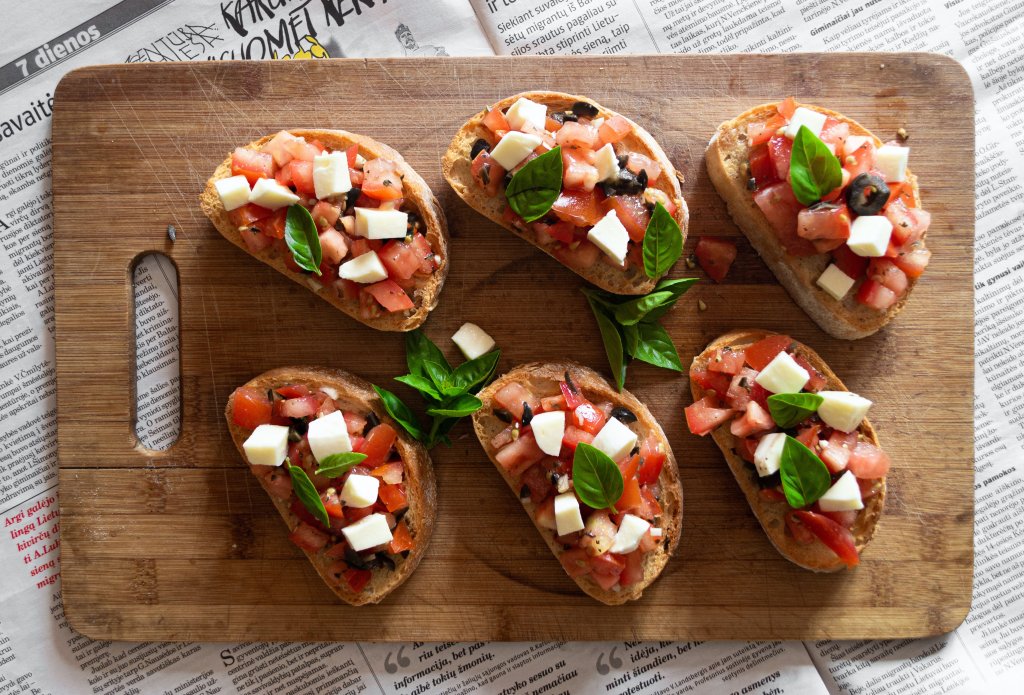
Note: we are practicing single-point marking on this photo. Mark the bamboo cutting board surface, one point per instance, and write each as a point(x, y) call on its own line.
point(184, 545)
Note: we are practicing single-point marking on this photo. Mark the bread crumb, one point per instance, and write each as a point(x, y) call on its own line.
point(172, 233)
point(701, 306)
point(902, 134)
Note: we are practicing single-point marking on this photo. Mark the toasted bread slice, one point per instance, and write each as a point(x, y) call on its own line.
point(357, 396)
point(814, 556)
point(543, 379)
point(417, 194)
point(726, 155)
point(456, 168)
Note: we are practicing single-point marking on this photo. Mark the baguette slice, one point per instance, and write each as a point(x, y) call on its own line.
point(417, 194)
point(543, 379)
point(726, 154)
point(814, 556)
point(456, 168)
point(357, 395)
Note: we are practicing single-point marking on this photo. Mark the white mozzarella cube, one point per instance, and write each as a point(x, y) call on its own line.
point(514, 148)
point(854, 143)
point(267, 445)
point(607, 163)
point(473, 341)
point(328, 435)
point(843, 496)
point(611, 237)
point(615, 439)
point(869, 235)
point(363, 269)
point(233, 191)
point(268, 193)
point(368, 532)
point(783, 375)
point(812, 119)
point(381, 224)
point(842, 410)
point(768, 453)
point(330, 174)
point(631, 531)
point(525, 111)
point(891, 160)
point(548, 430)
point(567, 514)
point(835, 282)
point(360, 491)
point(657, 532)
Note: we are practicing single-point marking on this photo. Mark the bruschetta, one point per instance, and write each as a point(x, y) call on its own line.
point(357, 494)
point(613, 175)
point(370, 237)
point(536, 424)
point(835, 213)
point(797, 441)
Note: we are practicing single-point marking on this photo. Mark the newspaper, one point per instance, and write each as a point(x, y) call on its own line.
point(39, 653)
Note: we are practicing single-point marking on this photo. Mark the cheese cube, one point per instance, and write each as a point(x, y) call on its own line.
point(891, 160)
point(768, 453)
point(548, 430)
point(631, 531)
point(567, 514)
point(607, 163)
point(783, 375)
point(615, 439)
point(368, 532)
point(330, 174)
point(268, 193)
point(473, 341)
point(835, 282)
point(657, 532)
point(267, 445)
point(843, 496)
point(233, 191)
point(812, 119)
point(869, 235)
point(360, 491)
point(363, 269)
point(514, 148)
point(842, 410)
point(854, 143)
point(525, 111)
point(611, 237)
point(381, 224)
point(328, 435)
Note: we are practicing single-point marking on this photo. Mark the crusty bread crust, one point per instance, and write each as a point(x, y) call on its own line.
point(421, 488)
point(417, 194)
point(726, 154)
point(543, 378)
point(814, 556)
point(456, 168)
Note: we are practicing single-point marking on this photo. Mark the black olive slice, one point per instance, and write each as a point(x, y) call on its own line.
point(867, 194)
point(371, 421)
point(479, 146)
point(623, 415)
point(583, 109)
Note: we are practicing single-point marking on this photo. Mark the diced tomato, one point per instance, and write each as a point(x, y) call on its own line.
point(745, 447)
point(702, 416)
point(572, 395)
point(391, 473)
point(763, 131)
point(876, 295)
point(538, 479)
point(817, 381)
point(279, 484)
point(307, 537)
point(550, 233)
point(834, 132)
point(884, 271)
point(551, 403)
point(325, 214)
point(800, 533)
point(782, 209)
point(400, 259)
point(382, 179)
point(377, 445)
point(576, 562)
point(544, 514)
point(494, 120)
point(250, 407)
point(333, 247)
point(765, 350)
point(629, 466)
point(301, 175)
point(849, 262)
point(711, 381)
point(255, 241)
point(574, 435)
point(868, 461)
point(835, 453)
point(637, 162)
point(573, 134)
point(738, 395)
point(727, 361)
point(652, 455)
point(584, 256)
point(824, 222)
point(487, 173)
point(715, 256)
point(401, 539)
point(914, 261)
point(304, 406)
point(251, 164)
point(908, 224)
point(780, 150)
point(358, 579)
point(332, 503)
point(630, 498)
point(582, 208)
point(754, 420)
point(772, 494)
point(354, 422)
point(650, 508)
point(838, 538)
point(607, 564)
point(273, 224)
point(390, 295)
point(277, 147)
point(354, 514)
point(634, 570)
point(302, 150)
point(577, 172)
point(393, 497)
point(787, 107)
point(522, 453)
point(632, 213)
point(759, 394)
point(762, 169)
point(614, 129)
point(247, 214)
point(808, 436)
point(588, 418)
point(845, 519)
point(512, 396)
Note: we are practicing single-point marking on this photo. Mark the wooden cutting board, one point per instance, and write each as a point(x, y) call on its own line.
point(184, 545)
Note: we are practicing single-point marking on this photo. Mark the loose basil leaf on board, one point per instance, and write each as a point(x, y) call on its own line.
point(677, 287)
point(338, 464)
point(636, 310)
point(612, 340)
point(789, 409)
point(804, 476)
point(469, 375)
point(813, 169)
point(426, 359)
point(460, 406)
point(595, 477)
point(422, 384)
point(303, 241)
point(535, 188)
point(307, 494)
point(439, 430)
point(400, 412)
point(663, 243)
point(654, 346)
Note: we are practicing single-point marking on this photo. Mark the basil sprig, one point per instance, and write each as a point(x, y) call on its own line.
point(595, 477)
point(307, 494)
point(804, 476)
point(337, 465)
point(813, 170)
point(302, 239)
point(789, 409)
point(663, 243)
point(535, 188)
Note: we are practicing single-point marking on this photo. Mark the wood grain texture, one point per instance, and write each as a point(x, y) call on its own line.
point(182, 544)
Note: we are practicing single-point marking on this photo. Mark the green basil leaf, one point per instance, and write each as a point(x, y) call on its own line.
point(338, 464)
point(535, 188)
point(804, 476)
point(460, 406)
point(655, 346)
point(595, 477)
point(663, 243)
point(468, 375)
point(307, 494)
point(422, 384)
point(677, 287)
point(813, 170)
point(303, 241)
point(425, 358)
point(636, 310)
point(400, 412)
point(439, 430)
point(789, 409)
point(612, 340)
point(631, 339)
